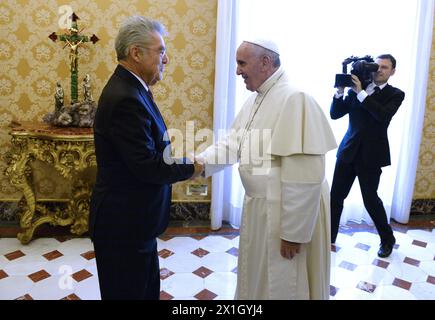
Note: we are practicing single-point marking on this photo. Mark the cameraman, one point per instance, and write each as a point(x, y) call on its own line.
point(364, 149)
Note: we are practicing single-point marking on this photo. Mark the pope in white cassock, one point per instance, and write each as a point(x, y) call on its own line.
point(279, 138)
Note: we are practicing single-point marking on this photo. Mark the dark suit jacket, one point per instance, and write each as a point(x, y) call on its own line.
point(366, 139)
point(132, 195)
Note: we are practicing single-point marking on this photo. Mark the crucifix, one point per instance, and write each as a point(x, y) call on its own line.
point(74, 39)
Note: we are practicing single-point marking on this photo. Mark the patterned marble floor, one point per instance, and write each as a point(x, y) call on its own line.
point(204, 267)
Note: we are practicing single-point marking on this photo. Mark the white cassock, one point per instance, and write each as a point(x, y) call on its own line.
point(282, 167)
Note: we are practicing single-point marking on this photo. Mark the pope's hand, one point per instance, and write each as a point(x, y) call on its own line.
point(289, 249)
point(199, 168)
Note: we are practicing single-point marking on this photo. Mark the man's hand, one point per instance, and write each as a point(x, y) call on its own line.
point(357, 86)
point(289, 249)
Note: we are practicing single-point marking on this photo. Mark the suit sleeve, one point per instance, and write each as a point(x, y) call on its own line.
point(339, 107)
point(131, 133)
point(384, 112)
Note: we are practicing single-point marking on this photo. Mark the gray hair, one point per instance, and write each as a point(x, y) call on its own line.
point(136, 30)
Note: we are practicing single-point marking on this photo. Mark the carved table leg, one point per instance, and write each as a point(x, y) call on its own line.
point(18, 173)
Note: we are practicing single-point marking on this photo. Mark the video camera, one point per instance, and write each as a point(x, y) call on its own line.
point(362, 67)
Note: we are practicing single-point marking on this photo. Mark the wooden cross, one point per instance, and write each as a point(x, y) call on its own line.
point(74, 40)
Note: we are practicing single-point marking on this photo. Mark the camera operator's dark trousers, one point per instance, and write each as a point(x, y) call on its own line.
point(344, 176)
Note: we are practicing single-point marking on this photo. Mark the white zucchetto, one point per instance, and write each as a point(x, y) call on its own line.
point(267, 44)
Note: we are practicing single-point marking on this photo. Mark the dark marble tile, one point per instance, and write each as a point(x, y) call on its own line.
point(81, 275)
point(72, 296)
point(165, 273)
point(14, 255)
point(362, 246)
point(333, 290)
point(347, 265)
point(39, 275)
point(419, 243)
point(203, 272)
point(402, 284)
point(165, 296)
point(89, 255)
point(205, 295)
point(366, 286)
point(200, 252)
point(52, 255)
point(381, 263)
point(411, 261)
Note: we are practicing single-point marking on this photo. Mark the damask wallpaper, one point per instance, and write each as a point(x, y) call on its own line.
point(425, 179)
point(31, 63)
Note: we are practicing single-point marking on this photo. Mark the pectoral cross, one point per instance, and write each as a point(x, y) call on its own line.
point(74, 39)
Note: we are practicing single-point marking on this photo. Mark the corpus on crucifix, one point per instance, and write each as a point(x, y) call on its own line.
point(74, 39)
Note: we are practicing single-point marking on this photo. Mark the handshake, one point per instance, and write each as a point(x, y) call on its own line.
point(199, 166)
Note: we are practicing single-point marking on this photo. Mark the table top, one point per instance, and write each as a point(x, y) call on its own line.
point(44, 130)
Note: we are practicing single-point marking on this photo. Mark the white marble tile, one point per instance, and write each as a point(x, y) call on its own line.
point(342, 278)
point(3, 262)
point(219, 261)
point(222, 283)
point(182, 262)
point(75, 246)
point(182, 285)
point(367, 238)
point(235, 242)
point(52, 288)
point(8, 245)
point(355, 255)
point(40, 246)
point(13, 287)
point(88, 289)
point(225, 297)
point(403, 238)
point(423, 291)
point(428, 267)
point(374, 275)
point(392, 293)
point(345, 240)
point(353, 294)
point(59, 265)
point(421, 235)
point(25, 265)
point(215, 244)
point(181, 244)
point(416, 252)
point(431, 248)
point(407, 272)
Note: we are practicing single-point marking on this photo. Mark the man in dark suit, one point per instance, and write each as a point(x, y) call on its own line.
point(364, 149)
point(132, 195)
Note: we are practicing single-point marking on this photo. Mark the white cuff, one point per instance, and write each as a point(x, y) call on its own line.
point(362, 95)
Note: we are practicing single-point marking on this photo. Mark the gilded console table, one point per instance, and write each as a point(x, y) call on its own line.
point(70, 151)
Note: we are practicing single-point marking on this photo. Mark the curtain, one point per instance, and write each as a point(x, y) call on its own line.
point(227, 192)
point(411, 137)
